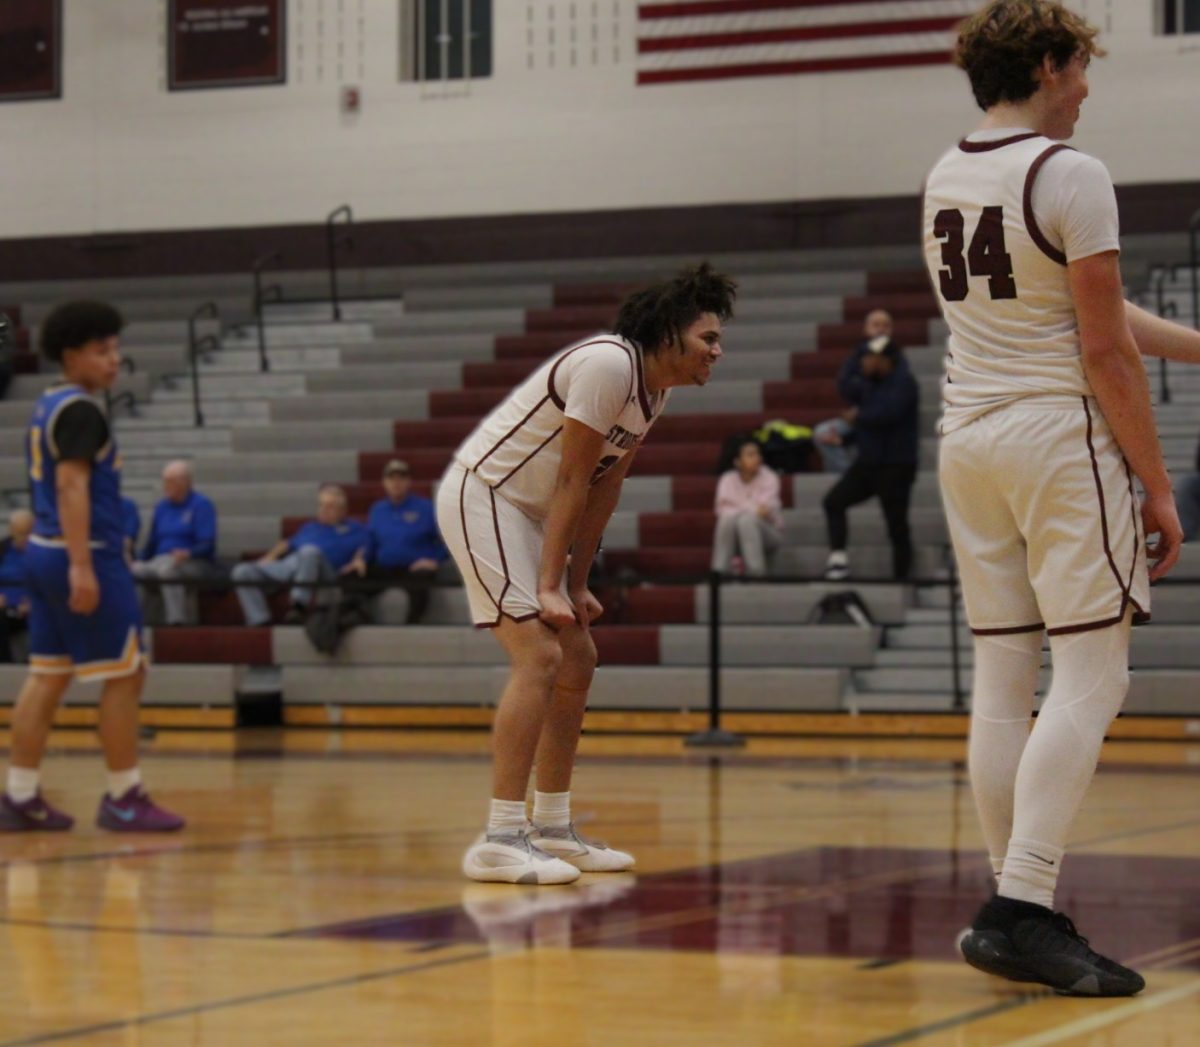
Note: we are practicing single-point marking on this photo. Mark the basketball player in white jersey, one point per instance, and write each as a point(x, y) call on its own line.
point(522, 509)
point(1047, 421)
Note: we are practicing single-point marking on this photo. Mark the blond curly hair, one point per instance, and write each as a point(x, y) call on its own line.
point(1002, 46)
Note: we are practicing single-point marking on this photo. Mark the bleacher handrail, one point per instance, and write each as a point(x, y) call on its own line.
point(1164, 308)
point(1194, 261)
point(207, 311)
point(331, 245)
point(260, 299)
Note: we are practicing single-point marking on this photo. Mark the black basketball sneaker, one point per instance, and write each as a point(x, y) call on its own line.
point(1028, 943)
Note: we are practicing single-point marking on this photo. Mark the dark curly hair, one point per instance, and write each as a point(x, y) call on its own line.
point(74, 324)
point(1002, 46)
point(659, 314)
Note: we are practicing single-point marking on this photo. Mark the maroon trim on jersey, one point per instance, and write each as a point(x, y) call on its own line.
point(1038, 237)
point(559, 402)
point(527, 458)
point(518, 618)
point(500, 546)
point(1011, 631)
point(505, 438)
point(986, 147)
point(462, 512)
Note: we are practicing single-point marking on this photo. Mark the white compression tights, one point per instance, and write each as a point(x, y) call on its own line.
point(1029, 785)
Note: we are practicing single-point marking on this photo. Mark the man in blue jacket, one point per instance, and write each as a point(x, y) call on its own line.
point(884, 398)
point(182, 543)
point(405, 544)
point(14, 598)
point(322, 550)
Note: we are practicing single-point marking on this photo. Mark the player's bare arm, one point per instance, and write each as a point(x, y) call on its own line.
point(602, 501)
point(1162, 339)
point(1117, 376)
point(71, 480)
point(581, 450)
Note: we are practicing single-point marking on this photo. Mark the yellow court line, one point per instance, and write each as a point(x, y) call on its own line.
point(1116, 1014)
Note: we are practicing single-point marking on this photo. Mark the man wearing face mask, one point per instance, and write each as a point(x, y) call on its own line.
point(884, 405)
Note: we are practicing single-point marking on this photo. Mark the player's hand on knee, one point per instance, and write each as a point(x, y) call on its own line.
point(1160, 517)
point(587, 607)
point(85, 590)
point(556, 610)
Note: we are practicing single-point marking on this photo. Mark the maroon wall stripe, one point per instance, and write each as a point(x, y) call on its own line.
point(795, 34)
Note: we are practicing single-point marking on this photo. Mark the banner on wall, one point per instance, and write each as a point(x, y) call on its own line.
point(226, 43)
point(694, 40)
point(30, 50)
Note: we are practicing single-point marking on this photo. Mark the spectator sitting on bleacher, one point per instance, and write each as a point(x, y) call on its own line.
point(321, 551)
point(131, 527)
point(1187, 501)
point(877, 382)
point(182, 542)
point(405, 544)
point(14, 601)
point(749, 513)
point(835, 438)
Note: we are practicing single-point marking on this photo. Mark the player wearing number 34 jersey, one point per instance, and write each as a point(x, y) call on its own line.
point(1046, 423)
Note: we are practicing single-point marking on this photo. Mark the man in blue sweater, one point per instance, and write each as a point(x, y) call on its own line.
point(182, 543)
point(14, 598)
point(884, 398)
point(405, 544)
point(323, 549)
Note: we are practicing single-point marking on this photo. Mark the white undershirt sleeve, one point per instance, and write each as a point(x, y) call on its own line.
point(1076, 205)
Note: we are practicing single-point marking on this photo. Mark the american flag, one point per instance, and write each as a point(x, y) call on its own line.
point(685, 40)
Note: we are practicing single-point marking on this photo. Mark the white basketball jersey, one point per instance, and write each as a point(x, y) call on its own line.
point(997, 242)
point(516, 450)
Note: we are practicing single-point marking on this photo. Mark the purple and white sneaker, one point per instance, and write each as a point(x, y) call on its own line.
point(32, 816)
point(135, 812)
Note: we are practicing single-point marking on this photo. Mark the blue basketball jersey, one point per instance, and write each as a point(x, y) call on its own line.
point(42, 456)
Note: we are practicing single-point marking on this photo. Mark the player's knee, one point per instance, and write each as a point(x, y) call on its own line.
point(579, 654)
point(541, 659)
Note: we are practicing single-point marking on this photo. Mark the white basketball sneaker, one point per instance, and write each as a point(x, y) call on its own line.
point(589, 856)
point(513, 858)
point(837, 567)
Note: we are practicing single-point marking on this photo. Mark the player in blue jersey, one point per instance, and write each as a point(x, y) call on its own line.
point(84, 620)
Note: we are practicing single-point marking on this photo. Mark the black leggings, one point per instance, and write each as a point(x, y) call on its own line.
point(893, 485)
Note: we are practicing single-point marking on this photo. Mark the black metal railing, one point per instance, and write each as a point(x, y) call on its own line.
point(333, 240)
point(125, 399)
point(1163, 308)
point(196, 346)
point(262, 295)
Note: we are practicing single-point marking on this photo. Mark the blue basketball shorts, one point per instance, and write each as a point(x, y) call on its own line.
point(103, 645)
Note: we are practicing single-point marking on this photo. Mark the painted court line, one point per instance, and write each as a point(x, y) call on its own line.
point(1115, 1014)
point(243, 1001)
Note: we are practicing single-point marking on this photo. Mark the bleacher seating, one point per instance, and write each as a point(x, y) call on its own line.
point(411, 374)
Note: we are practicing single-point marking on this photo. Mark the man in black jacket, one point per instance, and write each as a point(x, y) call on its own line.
point(883, 396)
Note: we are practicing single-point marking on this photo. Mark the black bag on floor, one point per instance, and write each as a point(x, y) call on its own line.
point(844, 608)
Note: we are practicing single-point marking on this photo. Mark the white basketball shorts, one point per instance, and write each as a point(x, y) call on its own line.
point(498, 549)
point(1046, 527)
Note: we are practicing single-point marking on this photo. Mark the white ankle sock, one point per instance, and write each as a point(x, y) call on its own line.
point(507, 816)
point(552, 810)
point(1031, 872)
point(120, 782)
point(23, 783)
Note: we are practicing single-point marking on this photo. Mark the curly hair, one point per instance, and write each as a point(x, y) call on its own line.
point(74, 324)
point(1002, 46)
point(658, 315)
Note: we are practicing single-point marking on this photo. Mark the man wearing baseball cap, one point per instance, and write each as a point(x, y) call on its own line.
point(883, 396)
point(405, 544)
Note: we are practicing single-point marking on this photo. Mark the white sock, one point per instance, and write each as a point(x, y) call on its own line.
point(506, 816)
point(1031, 871)
point(23, 783)
point(120, 782)
point(552, 810)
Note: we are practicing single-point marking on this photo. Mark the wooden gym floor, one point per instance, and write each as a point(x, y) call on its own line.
point(799, 892)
